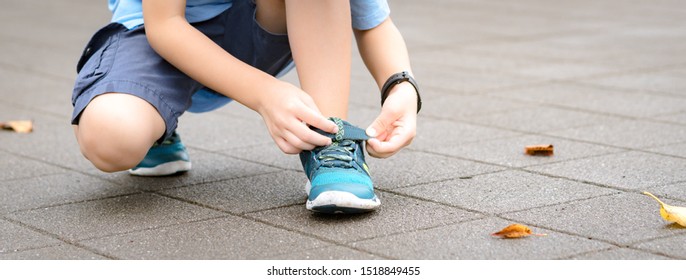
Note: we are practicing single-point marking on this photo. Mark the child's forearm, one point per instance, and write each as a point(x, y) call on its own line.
point(199, 57)
point(383, 50)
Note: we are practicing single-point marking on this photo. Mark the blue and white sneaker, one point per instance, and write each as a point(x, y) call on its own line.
point(168, 158)
point(339, 180)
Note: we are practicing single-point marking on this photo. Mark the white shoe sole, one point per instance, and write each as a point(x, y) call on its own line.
point(338, 201)
point(164, 169)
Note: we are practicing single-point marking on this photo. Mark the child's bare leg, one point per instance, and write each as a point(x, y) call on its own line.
point(116, 130)
point(320, 35)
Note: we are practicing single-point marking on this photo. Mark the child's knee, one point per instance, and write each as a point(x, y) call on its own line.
point(115, 134)
point(111, 153)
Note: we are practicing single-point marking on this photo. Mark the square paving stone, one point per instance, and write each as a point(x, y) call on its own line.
point(461, 81)
point(671, 246)
point(542, 118)
point(632, 60)
point(631, 170)
point(16, 238)
point(113, 216)
point(619, 219)
point(472, 240)
point(546, 50)
point(213, 131)
point(59, 252)
point(267, 154)
point(565, 70)
point(43, 92)
point(510, 151)
point(629, 134)
point(46, 59)
point(620, 254)
point(601, 100)
point(10, 112)
point(674, 191)
point(223, 238)
point(472, 60)
point(396, 214)
point(40, 24)
point(678, 118)
point(55, 189)
point(207, 167)
point(656, 81)
point(248, 194)
point(460, 107)
point(505, 191)
point(440, 136)
point(18, 167)
point(678, 150)
point(408, 168)
point(418, 24)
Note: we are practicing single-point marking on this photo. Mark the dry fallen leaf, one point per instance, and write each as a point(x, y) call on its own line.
point(671, 213)
point(515, 231)
point(18, 126)
point(539, 150)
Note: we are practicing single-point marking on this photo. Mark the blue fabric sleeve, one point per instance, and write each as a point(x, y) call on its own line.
point(367, 14)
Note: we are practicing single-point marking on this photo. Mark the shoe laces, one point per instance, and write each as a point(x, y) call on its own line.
point(339, 154)
point(341, 151)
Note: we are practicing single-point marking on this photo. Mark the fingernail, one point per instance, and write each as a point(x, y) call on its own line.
point(371, 132)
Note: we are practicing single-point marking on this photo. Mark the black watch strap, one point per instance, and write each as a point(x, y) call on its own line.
point(396, 79)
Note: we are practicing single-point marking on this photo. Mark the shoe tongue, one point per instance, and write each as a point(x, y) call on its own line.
point(346, 131)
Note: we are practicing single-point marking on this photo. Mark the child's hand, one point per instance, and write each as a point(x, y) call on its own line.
point(396, 126)
point(288, 111)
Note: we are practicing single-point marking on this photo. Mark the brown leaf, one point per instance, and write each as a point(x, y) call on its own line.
point(515, 231)
point(23, 126)
point(539, 150)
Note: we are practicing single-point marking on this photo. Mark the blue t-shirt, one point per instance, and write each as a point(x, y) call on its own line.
point(366, 14)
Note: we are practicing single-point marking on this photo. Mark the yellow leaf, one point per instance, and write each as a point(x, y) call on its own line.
point(18, 126)
point(671, 213)
point(515, 231)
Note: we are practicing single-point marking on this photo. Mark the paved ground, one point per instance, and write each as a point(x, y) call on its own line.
point(604, 81)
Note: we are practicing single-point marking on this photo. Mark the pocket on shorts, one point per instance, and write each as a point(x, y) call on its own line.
point(97, 58)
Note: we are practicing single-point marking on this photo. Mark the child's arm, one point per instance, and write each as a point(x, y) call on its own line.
point(283, 106)
point(384, 53)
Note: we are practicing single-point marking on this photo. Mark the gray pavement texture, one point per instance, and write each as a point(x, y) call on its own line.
point(603, 81)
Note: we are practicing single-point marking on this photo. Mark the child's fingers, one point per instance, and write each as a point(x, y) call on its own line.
point(285, 147)
point(313, 117)
point(379, 126)
point(297, 142)
point(308, 137)
point(384, 149)
point(389, 143)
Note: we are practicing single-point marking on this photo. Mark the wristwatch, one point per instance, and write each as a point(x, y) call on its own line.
point(398, 78)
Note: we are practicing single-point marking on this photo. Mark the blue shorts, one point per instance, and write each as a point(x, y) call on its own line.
point(120, 60)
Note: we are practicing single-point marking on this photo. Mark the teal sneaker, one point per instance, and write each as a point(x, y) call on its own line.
point(338, 177)
point(164, 159)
